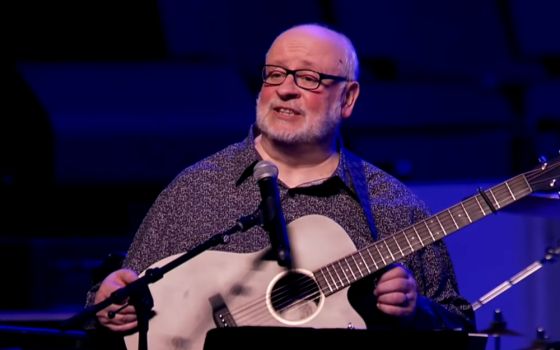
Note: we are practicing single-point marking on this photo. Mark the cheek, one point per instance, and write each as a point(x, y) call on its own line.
point(265, 96)
point(316, 104)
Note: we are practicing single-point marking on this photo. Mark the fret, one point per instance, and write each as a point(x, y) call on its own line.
point(447, 222)
point(526, 186)
point(467, 214)
point(386, 251)
point(381, 255)
point(474, 212)
point(332, 278)
point(440, 225)
point(408, 241)
point(496, 202)
point(420, 229)
point(452, 218)
point(326, 280)
point(368, 250)
point(414, 239)
point(521, 187)
point(398, 246)
point(503, 195)
point(434, 229)
point(356, 267)
point(340, 271)
point(460, 215)
point(418, 235)
point(389, 250)
point(365, 263)
point(480, 206)
point(352, 266)
point(319, 277)
point(510, 192)
point(349, 268)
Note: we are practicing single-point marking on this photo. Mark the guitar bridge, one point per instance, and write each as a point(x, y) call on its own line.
point(220, 312)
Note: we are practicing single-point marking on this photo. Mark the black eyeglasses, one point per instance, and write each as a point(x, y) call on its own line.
point(305, 78)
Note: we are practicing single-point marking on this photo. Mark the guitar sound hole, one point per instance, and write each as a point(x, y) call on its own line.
point(295, 297)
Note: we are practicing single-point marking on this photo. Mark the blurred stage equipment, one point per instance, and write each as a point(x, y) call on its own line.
point(541, 342)
point(498, 328)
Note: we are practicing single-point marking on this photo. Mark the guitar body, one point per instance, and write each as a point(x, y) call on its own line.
point(250, 290)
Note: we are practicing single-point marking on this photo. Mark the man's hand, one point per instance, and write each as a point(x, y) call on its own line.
point(396, 292)
point(123, 319)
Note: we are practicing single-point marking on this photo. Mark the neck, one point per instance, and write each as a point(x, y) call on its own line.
point(299, 164)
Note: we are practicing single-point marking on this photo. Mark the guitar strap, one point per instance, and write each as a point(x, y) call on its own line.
point(358, 182)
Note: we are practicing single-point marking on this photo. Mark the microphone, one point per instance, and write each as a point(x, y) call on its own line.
point(266, 174)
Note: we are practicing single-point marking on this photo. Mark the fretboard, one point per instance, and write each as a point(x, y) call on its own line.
point(343, 272)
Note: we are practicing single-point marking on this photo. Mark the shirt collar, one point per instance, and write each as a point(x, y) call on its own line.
point(251, 157)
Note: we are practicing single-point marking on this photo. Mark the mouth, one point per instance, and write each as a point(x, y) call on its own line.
point(286, 111)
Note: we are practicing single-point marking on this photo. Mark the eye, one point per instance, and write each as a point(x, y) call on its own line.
point(308, 77)
point(276, 74)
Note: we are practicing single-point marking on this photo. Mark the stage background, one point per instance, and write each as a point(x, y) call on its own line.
point(108, 100)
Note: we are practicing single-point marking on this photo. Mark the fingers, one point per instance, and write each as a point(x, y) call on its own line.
point(398, 271)
point(119, 323)
point(397, 279)
point(404, 308)
point(117, 317)
point(396, 292)
point(114, 281)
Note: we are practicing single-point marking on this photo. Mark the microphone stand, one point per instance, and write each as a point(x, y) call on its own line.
point(549, 257)
point(138, 293)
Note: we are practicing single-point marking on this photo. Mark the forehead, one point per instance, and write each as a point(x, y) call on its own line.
point(307, 48)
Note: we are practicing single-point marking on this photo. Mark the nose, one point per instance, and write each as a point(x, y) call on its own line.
point(288, 89)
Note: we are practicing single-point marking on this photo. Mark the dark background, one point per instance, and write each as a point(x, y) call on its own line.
point(108, 100)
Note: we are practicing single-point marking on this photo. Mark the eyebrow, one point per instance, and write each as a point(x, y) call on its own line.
point(305, 64)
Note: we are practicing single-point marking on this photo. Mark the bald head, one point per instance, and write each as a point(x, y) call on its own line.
point(337, 42)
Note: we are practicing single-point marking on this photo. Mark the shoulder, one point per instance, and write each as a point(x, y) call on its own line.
point(217, 170)
point(224, 165)
point(386, 190)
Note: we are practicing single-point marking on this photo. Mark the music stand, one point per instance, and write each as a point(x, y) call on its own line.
point(293, 338)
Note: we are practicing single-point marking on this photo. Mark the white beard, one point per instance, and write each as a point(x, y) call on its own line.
point(316, 129)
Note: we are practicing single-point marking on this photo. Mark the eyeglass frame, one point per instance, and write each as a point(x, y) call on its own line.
point(293, 72)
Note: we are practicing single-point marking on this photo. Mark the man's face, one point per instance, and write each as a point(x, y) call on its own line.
point(289, 114)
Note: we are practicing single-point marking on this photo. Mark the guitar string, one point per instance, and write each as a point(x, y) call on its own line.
point(312, 290)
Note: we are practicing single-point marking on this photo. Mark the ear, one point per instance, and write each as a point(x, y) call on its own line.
point(349, 97)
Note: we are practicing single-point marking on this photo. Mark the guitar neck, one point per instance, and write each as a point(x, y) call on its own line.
point(343, 272)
